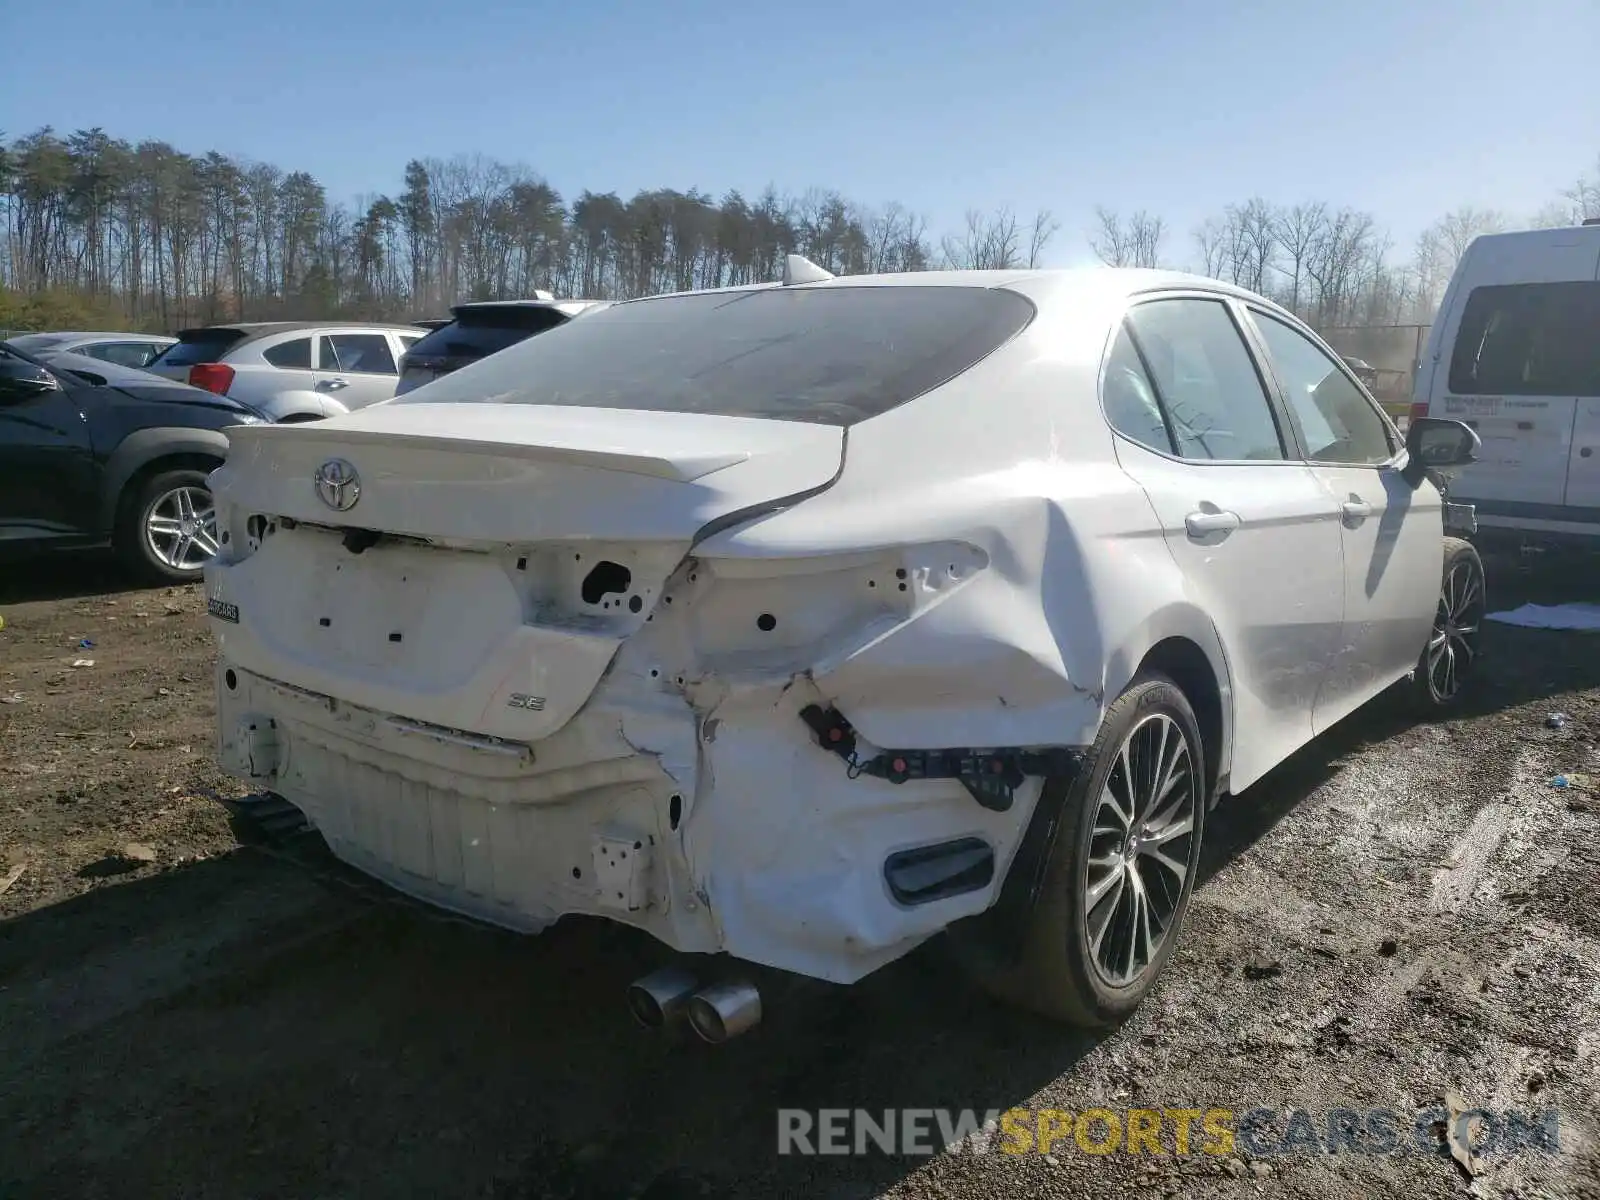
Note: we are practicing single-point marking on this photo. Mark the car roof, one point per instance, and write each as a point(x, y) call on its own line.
point(1096, 283)
point(78, 335)
point(255, 330)
point(263, 328)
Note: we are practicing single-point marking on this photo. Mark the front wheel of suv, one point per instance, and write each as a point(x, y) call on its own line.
point(167, 527)
point(1117, 883)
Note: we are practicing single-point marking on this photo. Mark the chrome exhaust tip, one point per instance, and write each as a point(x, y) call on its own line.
point(660, 996)
point(724, 1010)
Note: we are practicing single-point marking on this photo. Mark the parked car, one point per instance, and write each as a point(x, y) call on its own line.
point(124, 349)
point(803, 622)
point(483, 328)
point(1515, 352)
point(93, 453)
point(292, 370)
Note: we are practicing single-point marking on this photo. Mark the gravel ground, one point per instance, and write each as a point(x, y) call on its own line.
point(1402, 914)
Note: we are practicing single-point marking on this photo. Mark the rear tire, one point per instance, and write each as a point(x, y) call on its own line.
point(167, 527)
point(1087, 959)
point(1446, 665)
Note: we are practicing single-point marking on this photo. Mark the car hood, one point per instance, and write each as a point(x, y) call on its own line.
point(183, 397)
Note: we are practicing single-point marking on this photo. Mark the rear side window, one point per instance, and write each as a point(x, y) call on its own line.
point(358, 353)
point(291, 356)
point(126, 354)
point(832, 355)
point(199, 346)
point(1215, 404)
point(1130, 400)
point(478, 333)
point(1529, 339)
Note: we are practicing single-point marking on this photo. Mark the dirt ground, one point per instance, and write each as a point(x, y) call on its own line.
point(1402, 911)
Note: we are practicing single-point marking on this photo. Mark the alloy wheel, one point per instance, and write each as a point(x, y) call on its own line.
point(1453, 646)
point(1140, 846)
point(180, 528)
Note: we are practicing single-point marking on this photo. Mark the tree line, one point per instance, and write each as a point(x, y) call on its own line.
point(101, 231)
point(96, 228)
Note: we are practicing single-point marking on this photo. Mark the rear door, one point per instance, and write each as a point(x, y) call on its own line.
point(1254, 532)
point(355, 367)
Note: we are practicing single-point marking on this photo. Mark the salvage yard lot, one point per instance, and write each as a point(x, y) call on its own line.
point(1402, 911)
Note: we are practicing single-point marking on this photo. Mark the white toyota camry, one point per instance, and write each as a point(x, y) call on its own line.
point(799, 623)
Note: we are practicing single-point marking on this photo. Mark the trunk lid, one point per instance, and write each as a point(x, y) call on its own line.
point(514, 473)
point(523, 544)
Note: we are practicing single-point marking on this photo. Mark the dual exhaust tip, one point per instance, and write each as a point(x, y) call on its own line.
point(716, 1012)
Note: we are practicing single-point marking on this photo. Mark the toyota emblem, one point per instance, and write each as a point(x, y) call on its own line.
point(338, 486)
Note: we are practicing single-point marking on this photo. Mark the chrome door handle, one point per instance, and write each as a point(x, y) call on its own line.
point(332, 385)
point(1204, 523)
point(1355, 511)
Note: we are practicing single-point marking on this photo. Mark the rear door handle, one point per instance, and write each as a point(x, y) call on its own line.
point(1355, 511)
point(1204, 523)
point(332, 385)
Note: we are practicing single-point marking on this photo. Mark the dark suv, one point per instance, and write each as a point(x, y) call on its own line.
point(93, 453)
point(480, 329)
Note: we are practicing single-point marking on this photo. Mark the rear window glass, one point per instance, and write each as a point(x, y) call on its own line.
point(477, 333)
point(291, 356)
point(32, 343)
point(1529, 339)
point(835, 355)
point(201, 346)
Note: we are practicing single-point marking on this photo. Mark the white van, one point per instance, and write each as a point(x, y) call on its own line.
point(1515, 353)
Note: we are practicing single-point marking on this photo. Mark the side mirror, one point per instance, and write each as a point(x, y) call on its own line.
point(22, 380)
point(1437, 444)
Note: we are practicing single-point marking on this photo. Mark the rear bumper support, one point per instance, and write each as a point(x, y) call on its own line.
point(992, 776)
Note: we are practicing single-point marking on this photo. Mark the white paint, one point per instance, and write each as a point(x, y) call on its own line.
point(459, 720)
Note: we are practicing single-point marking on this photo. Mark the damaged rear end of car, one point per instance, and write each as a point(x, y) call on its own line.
point(636, 640)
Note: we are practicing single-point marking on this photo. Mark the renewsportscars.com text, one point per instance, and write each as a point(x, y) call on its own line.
point(1260, 1131)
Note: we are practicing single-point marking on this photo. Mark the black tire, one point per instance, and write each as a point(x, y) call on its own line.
point(131, 540)
point(1448, 661)
point(1058, 974)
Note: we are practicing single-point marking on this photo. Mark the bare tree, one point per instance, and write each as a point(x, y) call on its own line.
point(989, 242)
point(1252, 242)
point(1297, 230)
point(1441, 245)
point(1134, 244)
point(1044, 228)
point(1210, 236)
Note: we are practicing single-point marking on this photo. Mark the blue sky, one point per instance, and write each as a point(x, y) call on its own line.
point(1406, 108)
